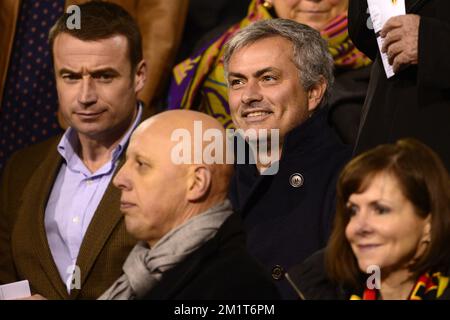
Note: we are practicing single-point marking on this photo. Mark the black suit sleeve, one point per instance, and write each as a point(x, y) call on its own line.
point(358, 29)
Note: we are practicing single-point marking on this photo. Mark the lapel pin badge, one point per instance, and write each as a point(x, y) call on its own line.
point(296, 180)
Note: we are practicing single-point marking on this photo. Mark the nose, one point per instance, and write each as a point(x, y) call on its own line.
point(251, 93)
point(122, 180)
point(360, 224)
point(87, 95)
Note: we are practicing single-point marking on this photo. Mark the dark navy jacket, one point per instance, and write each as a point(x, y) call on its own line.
point(286, 224)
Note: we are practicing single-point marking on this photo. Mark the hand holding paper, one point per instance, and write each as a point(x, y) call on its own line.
point(380, 12)
point(401, 40)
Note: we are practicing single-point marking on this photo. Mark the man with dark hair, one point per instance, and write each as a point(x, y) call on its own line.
point(100, 22)
point(27, 90)
point(60, 225)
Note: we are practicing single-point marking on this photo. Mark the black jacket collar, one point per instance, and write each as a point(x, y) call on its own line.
point(308, 136)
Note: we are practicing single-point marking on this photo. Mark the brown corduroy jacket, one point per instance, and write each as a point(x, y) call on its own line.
point(161, 23)
point(24, 251)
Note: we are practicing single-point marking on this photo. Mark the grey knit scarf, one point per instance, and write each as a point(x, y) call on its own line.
point(144, 266)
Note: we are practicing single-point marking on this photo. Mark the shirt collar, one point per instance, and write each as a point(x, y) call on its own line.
point(69, 143)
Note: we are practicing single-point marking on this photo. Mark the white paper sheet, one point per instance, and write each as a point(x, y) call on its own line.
point(380, 12)
point(15, 290)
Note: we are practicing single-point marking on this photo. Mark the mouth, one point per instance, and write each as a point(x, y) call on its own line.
point(313, 12)
point(125, 205)
point(89, 115)
point(256, 115)
point(367, 247)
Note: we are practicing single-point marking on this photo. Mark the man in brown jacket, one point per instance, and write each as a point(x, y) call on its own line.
point(60, 225)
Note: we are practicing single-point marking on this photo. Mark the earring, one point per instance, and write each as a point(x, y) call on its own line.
point(267, 4)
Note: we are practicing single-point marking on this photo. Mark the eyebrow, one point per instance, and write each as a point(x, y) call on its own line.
point(371, 203)
point(256, 74)
point(94, 72)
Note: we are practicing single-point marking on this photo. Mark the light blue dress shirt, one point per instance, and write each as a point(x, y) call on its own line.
point(74, 199)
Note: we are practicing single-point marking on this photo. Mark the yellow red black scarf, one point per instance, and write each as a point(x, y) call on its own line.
point(344, 52)
point(427, 287)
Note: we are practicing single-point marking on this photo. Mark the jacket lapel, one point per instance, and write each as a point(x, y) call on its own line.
point(105, 219)
point(35, 198)
point(248, 186)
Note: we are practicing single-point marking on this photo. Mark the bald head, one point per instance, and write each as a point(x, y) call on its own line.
point(159, 194)
point(183, 131)
point(168, 121)
point(179, 133)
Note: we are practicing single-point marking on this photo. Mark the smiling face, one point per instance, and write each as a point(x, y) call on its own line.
point(265, 91)
point(96, 91)
point(314, 13)
point(384, 228)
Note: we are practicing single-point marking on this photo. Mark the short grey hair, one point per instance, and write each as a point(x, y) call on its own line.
point(311, 55)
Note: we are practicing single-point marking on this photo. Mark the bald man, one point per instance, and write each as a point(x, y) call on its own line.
point(191, 244)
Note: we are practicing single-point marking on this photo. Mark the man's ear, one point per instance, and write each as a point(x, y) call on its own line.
point(316, 93)
point(140, 76)
point(199, 183)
